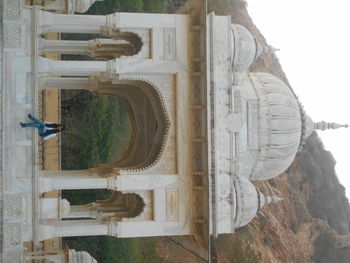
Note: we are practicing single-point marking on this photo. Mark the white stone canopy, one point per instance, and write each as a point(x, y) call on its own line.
point(244, 48)
point(280, 126)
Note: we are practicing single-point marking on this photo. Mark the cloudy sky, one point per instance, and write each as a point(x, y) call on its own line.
point(314, 39)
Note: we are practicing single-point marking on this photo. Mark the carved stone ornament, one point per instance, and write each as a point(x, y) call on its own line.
point(12, 235)
point(13, 206)
point(166, 161)
point(12, 9)
point(12, 36)
point(14, 256)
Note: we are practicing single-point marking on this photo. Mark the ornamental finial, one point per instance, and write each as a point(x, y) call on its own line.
point(264, 200)
point(329, 125)
point(270, 49)
point(273, 199)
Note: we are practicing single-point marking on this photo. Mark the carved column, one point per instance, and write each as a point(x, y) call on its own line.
point(76, 182)
point(127, 183)
point(69, 83)
point(75, 68)
point(63, 46)
point(50, 22)
point(76, 228)
point(81, 211)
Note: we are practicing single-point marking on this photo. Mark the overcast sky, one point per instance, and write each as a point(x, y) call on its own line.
point(314, 39)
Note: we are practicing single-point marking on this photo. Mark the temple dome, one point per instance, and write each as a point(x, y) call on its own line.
point(82, 6)
point(247, 201)
point(244, 48)
point(280, 126)
point(80, 257)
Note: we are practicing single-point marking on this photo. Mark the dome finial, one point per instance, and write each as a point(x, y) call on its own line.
point(329, 125)
point(270, 49)
point(309, 126)
point(273, 199)
point(262, 48)
point(264, 200)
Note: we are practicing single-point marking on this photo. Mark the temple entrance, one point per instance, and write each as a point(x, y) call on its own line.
point(141, 110)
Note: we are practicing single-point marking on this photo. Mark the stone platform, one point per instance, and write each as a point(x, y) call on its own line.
point(19, 155)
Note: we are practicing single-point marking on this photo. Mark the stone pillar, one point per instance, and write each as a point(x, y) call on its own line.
point(54, 208)
point(124, 183)
point(81, 211)
point(69, 83)
point(75, 68)
point(75, 183)
point(62, 23)
point(76, 228)
point(63, 46)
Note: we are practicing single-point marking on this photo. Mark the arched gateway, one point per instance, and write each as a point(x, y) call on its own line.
point(203, 125)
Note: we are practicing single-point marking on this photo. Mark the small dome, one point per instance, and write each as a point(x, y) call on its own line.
point(83, 6)
point(247, 201)
point(280, 126)
point(244, 48)
point(80, 257)
point(64, 207)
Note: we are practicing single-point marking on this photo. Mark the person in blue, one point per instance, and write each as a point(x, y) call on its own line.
point(46, 129)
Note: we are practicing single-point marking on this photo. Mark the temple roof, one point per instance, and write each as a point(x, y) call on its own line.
point(244, 48)
point(280, 126)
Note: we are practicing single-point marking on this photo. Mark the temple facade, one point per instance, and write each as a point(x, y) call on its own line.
point(203, 126)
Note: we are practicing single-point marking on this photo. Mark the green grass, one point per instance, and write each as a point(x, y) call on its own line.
point(111, 250)
point(236, 248)
point(98, 132)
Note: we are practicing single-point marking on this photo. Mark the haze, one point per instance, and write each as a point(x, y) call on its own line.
point(314, 39)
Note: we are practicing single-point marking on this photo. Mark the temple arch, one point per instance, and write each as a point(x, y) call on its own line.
point(150, 121)
point(148, 114)
point(117, 207)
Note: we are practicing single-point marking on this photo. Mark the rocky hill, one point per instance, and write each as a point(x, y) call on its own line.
point(312, 224)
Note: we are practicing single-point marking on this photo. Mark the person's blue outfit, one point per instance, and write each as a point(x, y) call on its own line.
point(46, 129)
point(36, 124)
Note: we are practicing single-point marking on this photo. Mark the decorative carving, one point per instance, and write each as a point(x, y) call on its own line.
point(12, 235)
point(172, 205)
point(166, 161)
point(13, 206)
point(13, 36)
point(12, 9)
point(169, 43)
point(14, 257)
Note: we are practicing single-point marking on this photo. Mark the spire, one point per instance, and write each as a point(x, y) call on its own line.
point(309, 126)
point(329, 125)
point(263, 49)
point(270, 49)
point(273, 199)
point(264, 200)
